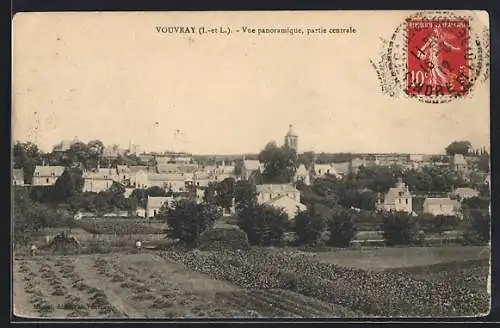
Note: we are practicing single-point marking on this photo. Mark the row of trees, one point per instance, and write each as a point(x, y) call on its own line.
point(266, 226)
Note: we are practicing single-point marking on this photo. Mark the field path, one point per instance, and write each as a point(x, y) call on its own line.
point(84, 267)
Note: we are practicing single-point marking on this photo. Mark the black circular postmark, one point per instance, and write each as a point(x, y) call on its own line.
point(434, 57)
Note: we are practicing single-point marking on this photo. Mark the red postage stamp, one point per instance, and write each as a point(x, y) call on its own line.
point(437, 57)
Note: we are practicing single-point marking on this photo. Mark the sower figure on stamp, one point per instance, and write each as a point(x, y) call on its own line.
point(439, 70)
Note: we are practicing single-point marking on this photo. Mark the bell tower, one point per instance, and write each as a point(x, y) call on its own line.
point(291, 139)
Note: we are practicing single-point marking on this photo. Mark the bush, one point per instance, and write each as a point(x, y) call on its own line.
point(400, 229)
point(342, 228)
point(308, 227)
point(477, 228)
point(264, 225)
point(188, 220)
point(217, 238)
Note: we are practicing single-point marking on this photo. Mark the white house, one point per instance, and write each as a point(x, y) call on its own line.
point(460, 164)
point(17, 177)
point(289, 205)
point(139, 179)
point(140, 212)
point(441, 206)
point(97, 181)
point(302, 174)
point(47, 175)
point(176, 182)
point(398, 199)
point(464, 193)
point(155, 203)
point(268, 192)
point(321, 170)
point(249, 167)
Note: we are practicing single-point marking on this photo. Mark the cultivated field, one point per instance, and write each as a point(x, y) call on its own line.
point(145, 286)
point(265, 283)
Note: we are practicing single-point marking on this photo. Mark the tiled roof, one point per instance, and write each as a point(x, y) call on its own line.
point(137, 168)
point(166, 177)
point(301, 170)
point(176, 167)
point(440, 201)
point(99, 175)
point(343, 168)
point(320, 169)
point(465, 190)
point(268, 188)
point(46, 171)
point(251, 165)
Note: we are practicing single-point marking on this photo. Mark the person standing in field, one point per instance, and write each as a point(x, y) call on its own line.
point(138, 246)
point(34, 250)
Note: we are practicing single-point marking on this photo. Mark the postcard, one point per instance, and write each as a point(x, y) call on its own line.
point(284, 164)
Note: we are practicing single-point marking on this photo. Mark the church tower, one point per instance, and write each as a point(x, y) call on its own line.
point(291, 139)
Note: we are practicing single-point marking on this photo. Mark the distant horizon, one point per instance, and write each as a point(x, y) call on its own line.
point(257, 152)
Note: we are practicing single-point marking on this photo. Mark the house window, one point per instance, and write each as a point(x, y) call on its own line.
point(197, 183)
point(399, 201)
point(154, 212)
point(407, 201)
point(53, 174)
point(400, 193)
point(47, 180)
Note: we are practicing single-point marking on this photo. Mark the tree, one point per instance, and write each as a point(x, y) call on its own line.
point(342, 228)
point(399, 228)
point(478, 226)
point(116, 196)
point(187, 220)
point(95, 149)
point(458, 147)
point(280, 163)
point(209, 194)
point(308, 226)
point(238, 168)
point(25, 156)
point(245, 194)
point(225, 193)
point(442, 223)
point(377, 178)
point(484, 163)
point(23, 217)
point(80, 153)
point(307, 158)
point(68, 185)
point(264, 225)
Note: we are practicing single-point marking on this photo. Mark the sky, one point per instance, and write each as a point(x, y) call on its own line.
point(113, 77)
